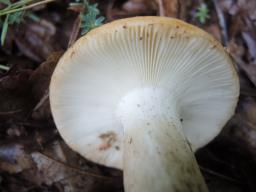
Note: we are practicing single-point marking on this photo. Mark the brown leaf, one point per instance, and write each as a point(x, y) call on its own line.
point(244, 7)
point(137, 7)
point(168, 8)
point(251, 44)
point(15, 131)
point(40, 79)
point(246, 87)
point(174, 8)
point(36, 39)
point(238, 51)
point(247, 111)
point(244, 132)
point(14, 82)
point(75, 31)
point(58, 165)
point(14, 91)
point(42, 110)
point(250, 70)
point(14, 159)
point(184, 7)
point(214, 30)
point(79, 8)
point(64, 31)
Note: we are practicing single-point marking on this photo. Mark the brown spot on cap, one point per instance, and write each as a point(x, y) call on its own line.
point(107, 140)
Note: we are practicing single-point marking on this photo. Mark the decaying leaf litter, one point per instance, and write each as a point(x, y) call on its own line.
point(33, 157)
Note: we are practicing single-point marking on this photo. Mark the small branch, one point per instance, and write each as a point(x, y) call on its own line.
point(161, 8)
point(3, 67)
point(219, 175)
point(109, 10)
point(222, 22)
point(17, 4)
point(82, 172)
point(10, 112)
point(42, 100)
point(75, 31)
point(26, 7)
point(168, 8)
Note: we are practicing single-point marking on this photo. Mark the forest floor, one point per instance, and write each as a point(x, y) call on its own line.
point(33, 157)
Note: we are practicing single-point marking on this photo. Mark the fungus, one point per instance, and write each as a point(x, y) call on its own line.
point(154, 98)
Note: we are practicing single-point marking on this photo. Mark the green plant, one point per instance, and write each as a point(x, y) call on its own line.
point(202, 13)
point(14, 13)
point(10, 19)
point(89, 15)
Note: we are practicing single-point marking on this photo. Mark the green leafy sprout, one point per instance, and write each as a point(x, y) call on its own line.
point(202, 13)
point(10, 19)
point(90, 18)
point(14, 13)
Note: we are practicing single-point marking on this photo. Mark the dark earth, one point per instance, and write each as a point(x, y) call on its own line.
point(34, 158)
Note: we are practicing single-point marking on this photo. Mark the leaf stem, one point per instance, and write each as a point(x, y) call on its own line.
point(3, 67)
point(26, 7)
point(17, 5)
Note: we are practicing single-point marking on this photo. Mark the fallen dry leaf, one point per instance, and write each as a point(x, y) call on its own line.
point(14, 91)
point(214, 30)
point(247, 112)
point(36, 39)
point(57, 165)
point(168, 8)
point(251, 45)
point(40, 80)
point(14, 159)
point(137, 7)
point(174, 8)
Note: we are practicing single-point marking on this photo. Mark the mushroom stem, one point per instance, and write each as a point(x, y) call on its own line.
point(157, 157)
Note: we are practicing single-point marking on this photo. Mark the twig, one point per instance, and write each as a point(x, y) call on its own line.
point(17, 4)
point(75, 31)
point(26, 7)
point(216, 159)
point(10, 112)
point(222, 22)
point(161, 8)
point(6, 68)
point(82, 172)
point(250, 92)
point(219, 175)
point(42, 100)
point(109, 10)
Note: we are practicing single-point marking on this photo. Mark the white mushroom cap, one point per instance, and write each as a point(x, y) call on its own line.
point(193, 71)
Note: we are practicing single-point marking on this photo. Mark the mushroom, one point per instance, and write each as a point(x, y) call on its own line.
point(142, 95)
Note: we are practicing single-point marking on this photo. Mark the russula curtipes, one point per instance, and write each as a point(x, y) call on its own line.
point(142, 94)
